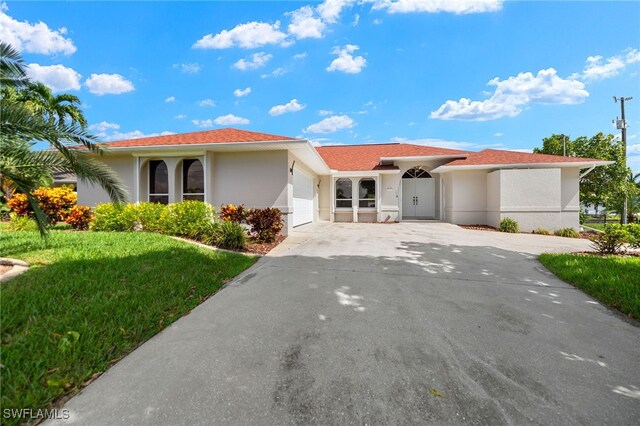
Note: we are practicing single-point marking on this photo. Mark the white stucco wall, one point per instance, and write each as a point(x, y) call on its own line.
point(91, 195)
point(466, 197)
point(535, 198)
point(255, 179)
point(324, 198)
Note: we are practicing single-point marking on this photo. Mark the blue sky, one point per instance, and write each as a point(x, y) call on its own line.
point(465, 75)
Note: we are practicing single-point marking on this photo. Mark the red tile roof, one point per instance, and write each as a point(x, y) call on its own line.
point(496, 156)
point(367, 157)
point(206, 137)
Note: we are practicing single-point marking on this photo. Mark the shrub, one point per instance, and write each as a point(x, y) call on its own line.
point(265, 223)
point(541, 231)
point(566, 232)
point(114, 217)
point(150, 216)
point(232, 213)
point(582, 217)
point(21, 223)
point(55, 203)
point(79, 217)
point(227, 235)
point(611, 241)
point(633, 229)
point(509, 225)
point(188, 219)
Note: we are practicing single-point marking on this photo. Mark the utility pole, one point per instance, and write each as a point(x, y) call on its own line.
point(564, 145)
point(622, 126)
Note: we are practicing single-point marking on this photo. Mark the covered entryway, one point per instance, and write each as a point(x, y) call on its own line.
point(418, 194)
point(302, 198)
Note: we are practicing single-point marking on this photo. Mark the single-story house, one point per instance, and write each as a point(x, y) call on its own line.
point(348, 183)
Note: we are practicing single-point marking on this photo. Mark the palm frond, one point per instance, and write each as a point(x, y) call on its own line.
point(12, 68)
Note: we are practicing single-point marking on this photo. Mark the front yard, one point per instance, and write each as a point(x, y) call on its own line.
point(89, 299)
point(614, 280)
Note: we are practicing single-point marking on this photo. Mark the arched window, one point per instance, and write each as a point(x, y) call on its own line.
point(367, 193)
point(192, 180)
point(416, 172)
point(343, 193)
point(158, 182)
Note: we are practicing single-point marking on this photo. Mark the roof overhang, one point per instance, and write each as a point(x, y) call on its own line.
point(363, 173)
point(301, 148)
point(426, 157)
point(577, 164)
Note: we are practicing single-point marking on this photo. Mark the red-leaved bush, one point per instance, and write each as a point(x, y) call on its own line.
point(56, 203)
point(232, 213)
point(265, 224)
point(79, 217)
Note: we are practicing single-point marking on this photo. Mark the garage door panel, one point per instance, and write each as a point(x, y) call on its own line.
point(302, 198)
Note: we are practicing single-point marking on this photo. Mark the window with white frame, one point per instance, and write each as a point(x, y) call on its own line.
point(367, 193)
point(192, 180)
point(158, 182)
point(343, 193)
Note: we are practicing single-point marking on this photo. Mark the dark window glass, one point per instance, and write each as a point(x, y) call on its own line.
point(416, 172)
point(158, 177)
point(162, 199)
point(343, 193)
point(192, 178)
point(367, 193)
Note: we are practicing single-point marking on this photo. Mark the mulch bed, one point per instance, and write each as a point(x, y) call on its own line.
point(479, 227)
point(256, 247)
point(595, 253)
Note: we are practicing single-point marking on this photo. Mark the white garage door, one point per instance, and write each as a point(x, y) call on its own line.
point(302, 198)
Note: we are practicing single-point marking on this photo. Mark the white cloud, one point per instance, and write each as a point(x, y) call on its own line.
point(435, 6)
point(356, 20)
point(207, 103)
point(34, 38)
point(103, 126)
point(108, 84)
point(136, 134)
point(440, 143)
point(258, 60)
point(275, 73)
point(203, 123)
point(331, 124)
point(230, 120)
point(291, 106)
point(498, 134)
point(247, 36)
point(240, 93)
point(170, 99)
point(305, 25)
point(57, 77)
point(180, 116)
point(107, 131)
point(330, 10)
point(512, 94)
point(325, 112)
point(377, 21)
point(345, 61)
point(188, 68)
point(597, 69)
point(300, 55)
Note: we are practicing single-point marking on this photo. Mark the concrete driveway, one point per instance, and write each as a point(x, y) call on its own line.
point(384, 324)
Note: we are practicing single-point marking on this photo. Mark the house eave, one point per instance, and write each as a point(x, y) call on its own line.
point(582, 164)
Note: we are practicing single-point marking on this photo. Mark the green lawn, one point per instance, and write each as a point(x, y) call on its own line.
point(89, 299)
point(613, 280)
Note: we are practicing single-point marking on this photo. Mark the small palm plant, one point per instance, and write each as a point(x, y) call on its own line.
point(61, 125)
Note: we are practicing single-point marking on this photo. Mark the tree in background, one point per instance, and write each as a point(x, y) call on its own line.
point(22, 125)
point(56, 109)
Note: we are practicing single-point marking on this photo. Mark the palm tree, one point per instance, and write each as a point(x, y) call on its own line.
point(54, 108)
point(71, 145)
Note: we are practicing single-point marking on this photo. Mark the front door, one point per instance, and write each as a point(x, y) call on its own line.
point(418, 195)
